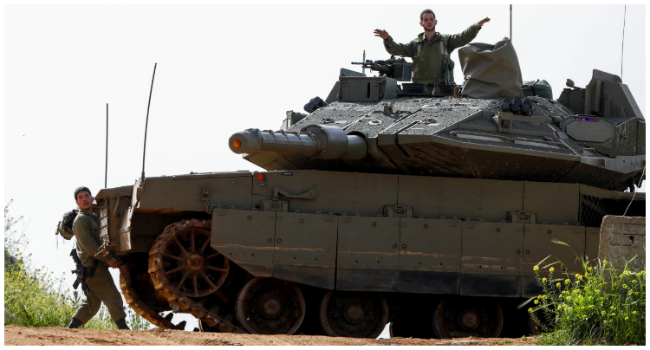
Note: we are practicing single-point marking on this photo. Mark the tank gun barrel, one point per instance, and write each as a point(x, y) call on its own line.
point(314, 141)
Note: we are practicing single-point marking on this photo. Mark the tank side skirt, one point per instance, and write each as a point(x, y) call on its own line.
point(386, 267)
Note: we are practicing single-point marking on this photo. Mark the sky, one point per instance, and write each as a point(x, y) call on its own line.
point(226, 68)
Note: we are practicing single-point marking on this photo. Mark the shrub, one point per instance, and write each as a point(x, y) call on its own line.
point(600, 306)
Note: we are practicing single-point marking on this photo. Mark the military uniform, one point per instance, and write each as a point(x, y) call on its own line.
point(428, 55)
point(100, 285)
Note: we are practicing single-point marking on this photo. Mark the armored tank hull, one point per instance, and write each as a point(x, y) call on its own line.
point(297, 251)
point(383, 206)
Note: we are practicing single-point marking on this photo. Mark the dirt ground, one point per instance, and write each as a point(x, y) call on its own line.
point(15, 335)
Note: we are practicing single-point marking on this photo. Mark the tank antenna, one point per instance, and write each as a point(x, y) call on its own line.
point(623, 41)
point(511, 23)
point(144, 152)
point(106, 164)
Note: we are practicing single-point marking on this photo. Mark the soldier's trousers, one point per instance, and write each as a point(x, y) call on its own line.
point(101, 289)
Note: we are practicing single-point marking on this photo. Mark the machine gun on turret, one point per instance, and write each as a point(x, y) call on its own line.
point(396, 68)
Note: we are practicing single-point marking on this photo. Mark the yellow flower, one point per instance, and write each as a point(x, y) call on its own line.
point(536, 301)
point(586, 274)
point(624, 286)
point(567, 281)
point(613, 314)
point(551, 269)
point(604, 313)
point(633, 312)
point(633, 281)
point(590, 268)
point(597, 290)
point(530, 309)
point(568, 297)
point(558, 284)
point(578, 276)
point(544, 280)
point(626, 318)
point(536, 268)
point(544, 296)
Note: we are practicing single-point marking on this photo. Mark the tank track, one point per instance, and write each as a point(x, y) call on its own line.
point(168, 291)
point(140, 308)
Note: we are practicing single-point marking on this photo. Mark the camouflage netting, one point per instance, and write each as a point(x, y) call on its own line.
point(593, 208)
point(490, 71)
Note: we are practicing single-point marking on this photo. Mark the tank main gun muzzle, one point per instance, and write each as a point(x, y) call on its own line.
point(314, 141)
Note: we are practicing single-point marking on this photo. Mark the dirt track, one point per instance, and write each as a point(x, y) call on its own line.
point(15, 335)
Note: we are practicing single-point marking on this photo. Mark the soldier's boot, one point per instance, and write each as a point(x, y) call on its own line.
point(121, 324)
point(75, 323)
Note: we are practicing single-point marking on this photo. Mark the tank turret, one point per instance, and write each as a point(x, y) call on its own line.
point(593, 135)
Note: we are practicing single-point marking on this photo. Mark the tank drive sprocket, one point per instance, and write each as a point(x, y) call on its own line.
point(183, 266)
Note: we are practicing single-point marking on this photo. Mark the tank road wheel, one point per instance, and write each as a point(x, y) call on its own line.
point(463, 317)
point(270, 306)
point(189, 264)
point(353, 314)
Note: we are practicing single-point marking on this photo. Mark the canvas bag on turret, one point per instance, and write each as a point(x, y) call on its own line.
point(490, 71)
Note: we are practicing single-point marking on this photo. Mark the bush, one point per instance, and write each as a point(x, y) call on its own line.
point(600, 306)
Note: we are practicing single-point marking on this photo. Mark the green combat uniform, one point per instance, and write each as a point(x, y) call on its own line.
point(428, 55)
point(101, 286)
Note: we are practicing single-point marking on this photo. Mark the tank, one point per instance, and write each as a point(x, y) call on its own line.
point(386, 203)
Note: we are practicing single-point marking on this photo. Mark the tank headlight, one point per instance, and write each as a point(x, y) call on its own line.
point(236, 143)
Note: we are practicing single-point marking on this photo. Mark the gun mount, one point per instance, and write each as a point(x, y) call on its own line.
point(395, 68)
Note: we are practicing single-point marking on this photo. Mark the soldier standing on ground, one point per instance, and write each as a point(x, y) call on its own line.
point(100, 284)
point(430, 49)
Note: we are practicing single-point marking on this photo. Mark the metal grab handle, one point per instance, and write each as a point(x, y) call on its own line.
point(277, 191)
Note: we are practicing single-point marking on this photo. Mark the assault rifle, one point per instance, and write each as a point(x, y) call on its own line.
point(82, 276)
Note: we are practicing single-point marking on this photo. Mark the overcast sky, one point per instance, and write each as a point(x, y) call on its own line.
point(225, 68)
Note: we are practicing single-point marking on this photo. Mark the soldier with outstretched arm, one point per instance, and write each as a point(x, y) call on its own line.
point(430, 50)
point(101, 287)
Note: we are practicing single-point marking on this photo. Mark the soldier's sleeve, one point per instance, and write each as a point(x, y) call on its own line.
point(81, 229)
point(394, 48)
point(457, 40)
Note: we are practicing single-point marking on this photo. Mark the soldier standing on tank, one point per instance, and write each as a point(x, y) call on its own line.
point(100, 283)
point(430, 49)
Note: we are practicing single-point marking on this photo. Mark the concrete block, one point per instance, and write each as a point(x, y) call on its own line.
point(621, 239)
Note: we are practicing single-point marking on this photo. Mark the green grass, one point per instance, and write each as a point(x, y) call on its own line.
point(601, 306)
